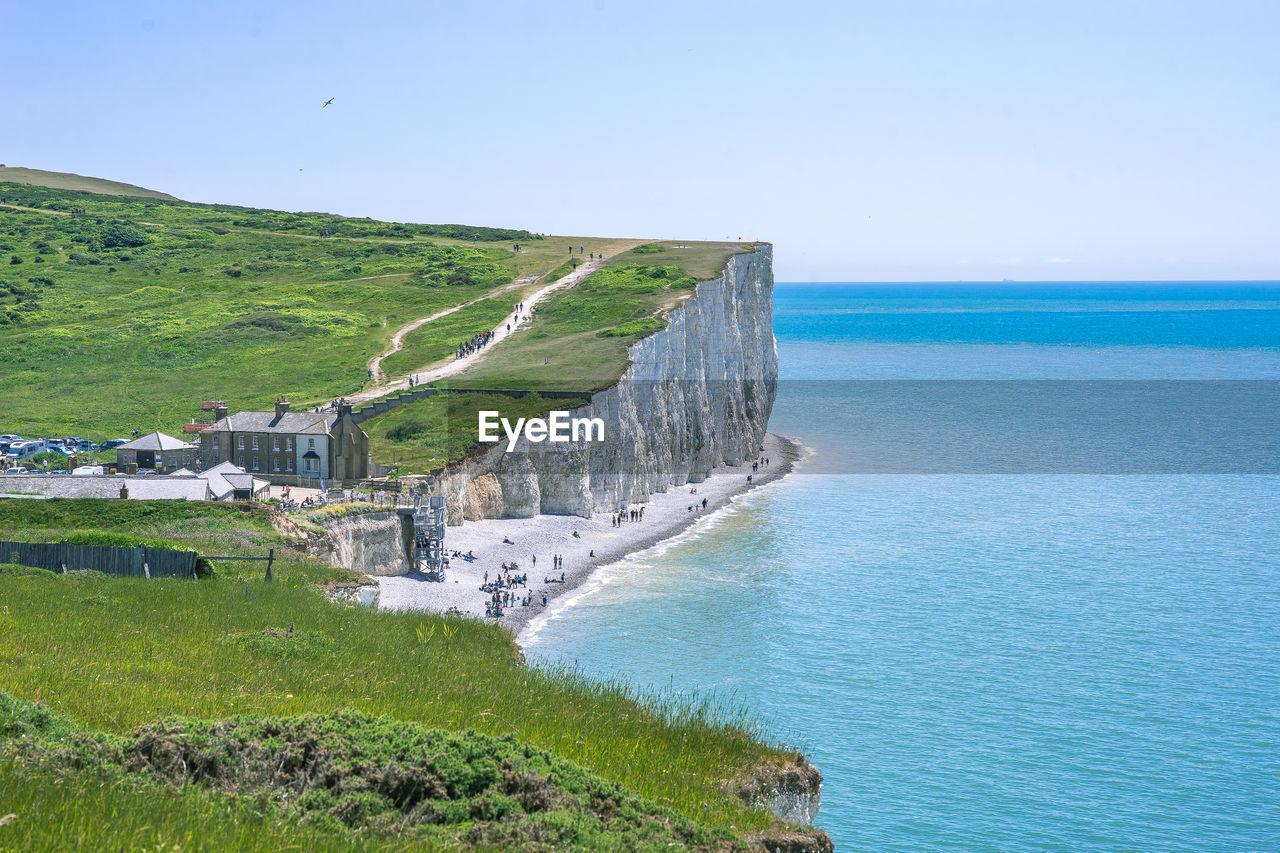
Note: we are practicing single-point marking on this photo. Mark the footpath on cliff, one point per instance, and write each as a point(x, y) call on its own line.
point(452, 367)
point(598, 543)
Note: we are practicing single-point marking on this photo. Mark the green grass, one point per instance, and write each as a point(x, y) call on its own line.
point(96, 340)
point(700, 259)
point(348, 772)
point(114, 653)
point(440, 338)
point(420, 437)
point(91, 811)
point(562, 270)
point(578, 338)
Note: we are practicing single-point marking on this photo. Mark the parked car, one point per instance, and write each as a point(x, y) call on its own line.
point(18, 470)
point(84, 445)
point(113, 443)
point(88, 471)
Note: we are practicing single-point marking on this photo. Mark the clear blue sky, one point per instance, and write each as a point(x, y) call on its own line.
point(927, 140)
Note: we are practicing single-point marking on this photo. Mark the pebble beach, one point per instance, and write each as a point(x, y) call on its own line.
point(598, 543)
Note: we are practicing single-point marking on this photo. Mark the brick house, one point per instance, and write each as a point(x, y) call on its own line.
point(284, 445)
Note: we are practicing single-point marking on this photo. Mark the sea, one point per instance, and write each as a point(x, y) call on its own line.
point(1023, 593)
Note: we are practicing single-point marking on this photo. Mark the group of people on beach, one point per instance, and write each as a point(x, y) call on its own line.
point(634, 514)
point(477, 342)
point(502, 590)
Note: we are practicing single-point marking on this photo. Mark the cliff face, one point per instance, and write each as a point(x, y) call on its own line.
point(697, 395)
point(376, 543)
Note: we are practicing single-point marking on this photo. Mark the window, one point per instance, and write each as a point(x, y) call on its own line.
point(215, 444)
point(275, 463)
point(275, 442)
point(240, 442)
point(308, 461)
point(255, 442)
point(288, 463)
point(288, 442)
point(173, 460)
point(255, 462)
point(311, 444)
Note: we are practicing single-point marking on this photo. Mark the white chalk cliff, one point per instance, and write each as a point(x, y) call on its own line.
point(696, 396)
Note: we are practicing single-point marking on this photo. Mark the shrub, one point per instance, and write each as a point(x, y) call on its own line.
point(649, 249)
point(121, 235)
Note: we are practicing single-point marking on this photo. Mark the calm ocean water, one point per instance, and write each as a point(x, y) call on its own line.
point(985, 647)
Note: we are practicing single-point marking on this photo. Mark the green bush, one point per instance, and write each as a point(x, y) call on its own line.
point(649, 249)
point(122, 235)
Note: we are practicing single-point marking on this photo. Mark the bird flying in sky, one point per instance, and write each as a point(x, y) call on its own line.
point(326, 103)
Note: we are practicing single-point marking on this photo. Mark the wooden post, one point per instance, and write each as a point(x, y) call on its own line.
point(271, 557)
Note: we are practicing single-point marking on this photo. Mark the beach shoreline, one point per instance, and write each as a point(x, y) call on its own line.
point(599, 543)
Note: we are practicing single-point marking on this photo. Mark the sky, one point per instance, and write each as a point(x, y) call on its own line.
point(917, 140)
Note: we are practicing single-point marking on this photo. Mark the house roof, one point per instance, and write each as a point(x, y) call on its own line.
point(291, 423)
point(156, 441)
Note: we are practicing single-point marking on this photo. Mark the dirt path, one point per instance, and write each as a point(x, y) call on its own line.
point(397, 340)
point(35, 209)
point(443, 369)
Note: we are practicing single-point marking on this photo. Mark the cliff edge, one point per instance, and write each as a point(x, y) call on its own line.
point(697, 395)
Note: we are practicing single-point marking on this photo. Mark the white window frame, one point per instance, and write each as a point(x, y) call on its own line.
point(239, 442)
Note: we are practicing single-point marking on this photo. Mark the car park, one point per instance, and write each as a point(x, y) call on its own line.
point(113, 443)
point(17, 470)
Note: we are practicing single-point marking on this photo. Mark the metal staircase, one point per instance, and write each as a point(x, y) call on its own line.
point(428, 537)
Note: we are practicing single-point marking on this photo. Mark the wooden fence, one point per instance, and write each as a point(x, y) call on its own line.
point(128, 562)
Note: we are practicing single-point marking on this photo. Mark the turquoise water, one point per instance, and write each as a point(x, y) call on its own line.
point(976, 660)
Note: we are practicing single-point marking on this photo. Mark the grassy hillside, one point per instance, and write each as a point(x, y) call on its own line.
point(127, 315)
point(68, 181)
point(111, 654)
point(119, 312)
point(579, 336)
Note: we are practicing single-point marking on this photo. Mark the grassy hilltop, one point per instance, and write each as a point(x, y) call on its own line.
point(120, 312)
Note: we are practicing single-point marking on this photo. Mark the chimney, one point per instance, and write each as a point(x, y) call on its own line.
point(344, 408)
point(220, 412)
point(282, 407)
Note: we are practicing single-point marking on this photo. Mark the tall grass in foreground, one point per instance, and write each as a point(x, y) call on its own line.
point(115, 653)
point(94, 812)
